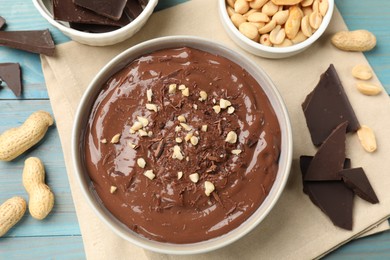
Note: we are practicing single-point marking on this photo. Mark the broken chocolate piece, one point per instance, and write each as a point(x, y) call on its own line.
point(66, 10)
point(327, 106)
point(357, 180)
point(11, 74)
point(332, 197)
point(133, 8)
point(112, 9)
point(2, 22)
point(305, 161)
point(93, 28)
point(329, 159)
point(33, 41)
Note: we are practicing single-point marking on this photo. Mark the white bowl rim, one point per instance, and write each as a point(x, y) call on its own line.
point(166, 248)
point(278, 50)
point(40, 6)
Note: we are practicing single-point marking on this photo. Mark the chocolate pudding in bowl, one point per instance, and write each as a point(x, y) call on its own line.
point(181, 145)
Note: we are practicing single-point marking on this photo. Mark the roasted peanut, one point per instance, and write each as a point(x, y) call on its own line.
point(305, 26)
point(277, 35)
point(285, 43)
point(258, 17)
point(359, 40)
point(368, 89)
point(362, 72)
point(257, 4)
point(264, 39)
point(270, 8)
point(41, 199)
point(293, 22)
point(367, 138)
point(16, 141)
point(268, 27)
point(11, 211)
point(299, 19)
point(281, 17)
point(315, 20)
point(241, 6)
point(323, 7)
point(249, 30)
point(237, 19)
point(300, 37)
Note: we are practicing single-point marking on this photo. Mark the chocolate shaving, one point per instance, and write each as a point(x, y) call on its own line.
point(11, 74)
point(327, 106)
point(159, 149)
point(329, 158)
point(357, 180)
point(33, 41)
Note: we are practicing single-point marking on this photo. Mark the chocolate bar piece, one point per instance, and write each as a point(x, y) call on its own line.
point(112, 9)
point(357, 180)
point(327, 106)
point(11, 74)
point(2, 22)
point(93, 28)
point(32, 41)
point(332, 197)
point(66, 10)
point(305, 161)
point(329, 159)
point(133, 8)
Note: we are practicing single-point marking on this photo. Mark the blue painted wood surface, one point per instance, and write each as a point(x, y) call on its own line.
point(59, 235)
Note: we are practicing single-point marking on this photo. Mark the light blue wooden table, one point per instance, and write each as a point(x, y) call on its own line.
point(58, 236)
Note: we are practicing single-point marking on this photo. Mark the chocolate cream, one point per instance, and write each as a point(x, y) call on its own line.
point(145, 171)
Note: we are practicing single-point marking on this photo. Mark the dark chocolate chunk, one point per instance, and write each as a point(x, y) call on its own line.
point(32, 41)
point(112, 9)
point(11, 74)
point(327, 106)
point(357, 180)
point(93, 28)
point(133, 8)
point(329, 159)
point(332, 197)
point(66, 10)
point(2, 22)
point(305, 161)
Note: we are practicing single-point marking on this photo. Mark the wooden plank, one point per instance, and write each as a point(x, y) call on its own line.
point(42, 248)
point(62, 220)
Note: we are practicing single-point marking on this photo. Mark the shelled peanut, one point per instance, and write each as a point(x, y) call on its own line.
point(277, 23)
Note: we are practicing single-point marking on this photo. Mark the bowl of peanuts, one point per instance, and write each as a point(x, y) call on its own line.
point(275, 28)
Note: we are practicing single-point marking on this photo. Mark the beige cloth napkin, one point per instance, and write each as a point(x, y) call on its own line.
point(295, 228)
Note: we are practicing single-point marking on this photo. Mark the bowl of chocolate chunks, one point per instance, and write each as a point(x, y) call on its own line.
point(97, 23)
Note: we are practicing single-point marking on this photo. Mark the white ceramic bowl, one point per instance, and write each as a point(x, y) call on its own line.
point(266, 51)
point(96, 39)
point(84, 111)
